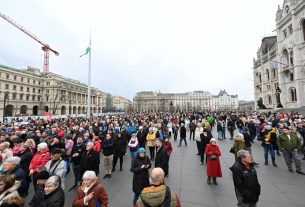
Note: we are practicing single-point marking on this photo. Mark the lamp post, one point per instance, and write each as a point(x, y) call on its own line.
point(4, 105)
point(278, 92)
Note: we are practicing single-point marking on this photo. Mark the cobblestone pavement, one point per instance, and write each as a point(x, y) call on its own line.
point(187, 177)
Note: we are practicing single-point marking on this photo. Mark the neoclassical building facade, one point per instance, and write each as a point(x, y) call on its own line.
point(289, 53)
point(30, 92)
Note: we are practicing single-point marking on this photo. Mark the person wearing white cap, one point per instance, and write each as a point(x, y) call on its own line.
point(213, 166)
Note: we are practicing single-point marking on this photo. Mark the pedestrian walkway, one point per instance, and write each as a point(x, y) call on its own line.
point(187, 177)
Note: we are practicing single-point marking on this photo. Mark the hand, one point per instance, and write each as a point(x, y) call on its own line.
point(142, 166)
point(31, 172)
point(266, 140)
point(89, 197)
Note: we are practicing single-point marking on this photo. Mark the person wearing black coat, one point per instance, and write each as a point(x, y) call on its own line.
point(90, 160)
point(26, 156)
point(161, 159)
point(247, 187)
point(182, 135)
point(141, 135)
point(54, 194)
point(247, 138)
point(205, 138)
point(252, 129)
point(120, 144)
point(140, 166)
point(231, 127)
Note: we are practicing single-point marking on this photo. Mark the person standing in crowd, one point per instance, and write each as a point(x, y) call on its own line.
point(168, 147)
point(158, 194)
point(248, 145)
point(161, 157)
point(182, 135)
point(192, 129)
point(90, 160)
point(239, 144)
point(108, 151)
point(240, 124)
point(220, 129)
point(213, 167)
point(57, 166)
point(91, 193)
point(205, 139)
point(119, 151)
point(97, 144)
point(198, 132)
point(25, 160)
point(151, 136)
point(231, 127)
point(269, 136)
point(54, 194)
point(175, 131)
point(133, 145)
point(289, 144)
point(247, 187)
point(8, 191)
point(40, 158)
point(11, 166)
point(170, 128)
point(76, 155)
point(5, 151)
point(141, 135)
point(140, 168)
point(38, 198)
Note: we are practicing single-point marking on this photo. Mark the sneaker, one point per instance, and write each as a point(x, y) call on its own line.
point(290, 170)
point(266, 163)
point(105, 176)
point(274, 164)
point(209, 182)
point(255, 164)
point(121, 169)
point(215, 182)
point(109, 175)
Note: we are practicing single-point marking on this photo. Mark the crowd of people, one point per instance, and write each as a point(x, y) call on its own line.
point(42, 153)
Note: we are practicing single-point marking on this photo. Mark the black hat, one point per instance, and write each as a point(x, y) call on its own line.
point(56, 151)
point(42, 175)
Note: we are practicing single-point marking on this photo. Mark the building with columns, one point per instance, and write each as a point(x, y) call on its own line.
point(30, 92)
point(121, 103)
point(289, 53)
point(148, 101)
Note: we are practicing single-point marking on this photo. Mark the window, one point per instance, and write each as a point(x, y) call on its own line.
point(34, 81)
point(284, 33)
point(34, 90)
point(48, 83)
point(21, 79)
point(21, 96)
point(290, 29)
point(38, 90)
point(21, 88)
point(15, 77)
point(27, 89)
point(33, 98)
point(47, 98)
point(38, 82)
point(27, 97)
point(274, 73)
point(29, 80)
point(303, 28)
point(14, 87)
point(267, 75)
point(293, 94)
point(291, 77)
point(7, 76)
point(269, 99)
point(6, 86)
point(14, 96)
point(38, 98)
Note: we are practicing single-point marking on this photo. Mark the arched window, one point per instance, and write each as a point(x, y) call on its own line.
point(303, 29)
point(293, 94)
point(274, 73)
point(269, 98)
point(291, 57)
point(285, 57)
point(267, 75)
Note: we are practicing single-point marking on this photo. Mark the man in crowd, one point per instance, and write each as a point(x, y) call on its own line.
point(161, 159)
point(247, 187)
point(108, 151)
point(289, 144)
point(192, 129)
point(182, 135)
point(90, 160)
point(158, 194)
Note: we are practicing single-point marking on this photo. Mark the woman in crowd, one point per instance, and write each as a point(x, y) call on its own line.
point(213, 167)
point(205, 139)
point(239, 144)
point(151, 136)
point(91, 193)
point(8, 192)
point(133, 145)
point(119, 150)
point(140, 168)
point(54, 194)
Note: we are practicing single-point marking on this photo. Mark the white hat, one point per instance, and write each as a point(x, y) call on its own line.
point(213, 140)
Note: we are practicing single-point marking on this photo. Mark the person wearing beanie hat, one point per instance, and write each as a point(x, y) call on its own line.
point(140, 168)
point(41, 179)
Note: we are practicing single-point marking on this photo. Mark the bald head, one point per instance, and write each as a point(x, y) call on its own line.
point(157, 176)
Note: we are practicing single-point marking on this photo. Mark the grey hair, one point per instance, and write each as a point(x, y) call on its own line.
point(242, 153)
point(13, 160)
point(91, 143)
point(55, 180)
point(89, 175)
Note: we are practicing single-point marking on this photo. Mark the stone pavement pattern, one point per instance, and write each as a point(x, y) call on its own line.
point(188, 178)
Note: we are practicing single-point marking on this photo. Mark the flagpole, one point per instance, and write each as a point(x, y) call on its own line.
point(89, 81)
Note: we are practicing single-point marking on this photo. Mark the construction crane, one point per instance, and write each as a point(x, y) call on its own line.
point(45, 47)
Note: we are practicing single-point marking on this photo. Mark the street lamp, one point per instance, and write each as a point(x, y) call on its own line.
point(278, 91)
point(4, 105)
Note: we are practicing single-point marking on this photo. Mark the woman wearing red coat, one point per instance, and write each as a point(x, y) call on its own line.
point(213, 167)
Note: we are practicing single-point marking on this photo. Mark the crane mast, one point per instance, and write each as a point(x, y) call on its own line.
point(45, 47)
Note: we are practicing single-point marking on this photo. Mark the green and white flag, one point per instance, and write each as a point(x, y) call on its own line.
point(88, 50)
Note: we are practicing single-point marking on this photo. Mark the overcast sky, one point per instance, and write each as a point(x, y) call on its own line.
point(143, 45)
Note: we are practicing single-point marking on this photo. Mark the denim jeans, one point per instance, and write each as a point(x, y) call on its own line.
point(269, 148)
point(132, 155)
point(220, 134)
